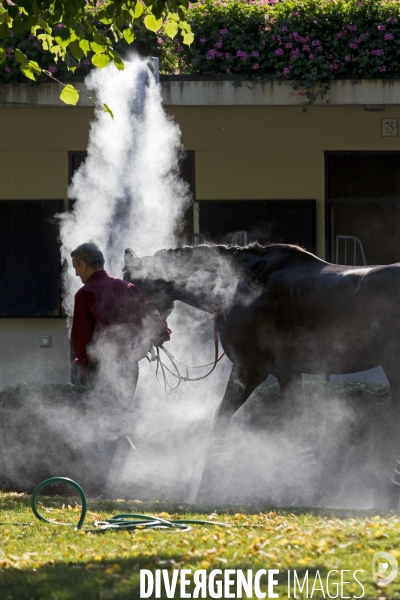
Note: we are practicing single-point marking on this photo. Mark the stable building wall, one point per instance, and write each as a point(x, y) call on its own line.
point(248, 145)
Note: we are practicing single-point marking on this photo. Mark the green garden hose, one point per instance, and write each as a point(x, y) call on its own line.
point(125, 521)
point(68, 481)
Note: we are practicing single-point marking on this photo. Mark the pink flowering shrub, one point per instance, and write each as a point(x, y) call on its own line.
point(305, 41)
point(10, 69)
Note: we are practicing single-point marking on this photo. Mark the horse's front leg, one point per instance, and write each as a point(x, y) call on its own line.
point(242, 382)
point(292, 389)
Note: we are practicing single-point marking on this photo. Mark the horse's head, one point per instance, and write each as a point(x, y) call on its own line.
point(201, 276)
point(148, 274)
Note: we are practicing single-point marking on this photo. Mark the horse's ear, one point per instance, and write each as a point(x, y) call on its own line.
point(132, 260)
point(130, 252)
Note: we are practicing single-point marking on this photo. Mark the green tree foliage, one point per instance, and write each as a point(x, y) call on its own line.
point(71, 30)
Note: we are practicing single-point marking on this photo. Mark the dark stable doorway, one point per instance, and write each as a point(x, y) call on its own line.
point(30, 258)
point(363, 207)
point(377, 226)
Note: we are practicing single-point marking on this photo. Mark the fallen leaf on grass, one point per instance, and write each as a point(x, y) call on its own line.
point(380, 533)
point(5, 563)
point(305, 560)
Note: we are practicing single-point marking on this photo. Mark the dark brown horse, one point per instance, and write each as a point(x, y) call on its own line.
point(286, 312)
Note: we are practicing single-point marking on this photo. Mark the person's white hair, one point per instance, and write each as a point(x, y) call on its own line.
point(90, 253)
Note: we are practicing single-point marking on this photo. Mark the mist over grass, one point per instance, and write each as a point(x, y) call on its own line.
point(351, 428)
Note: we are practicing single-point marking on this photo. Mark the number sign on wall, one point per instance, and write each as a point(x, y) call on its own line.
point(389, 127)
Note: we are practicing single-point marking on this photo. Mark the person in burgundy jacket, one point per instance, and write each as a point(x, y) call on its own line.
point(112, 318)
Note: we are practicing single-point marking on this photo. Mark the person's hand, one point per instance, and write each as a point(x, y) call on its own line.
point(164, 336)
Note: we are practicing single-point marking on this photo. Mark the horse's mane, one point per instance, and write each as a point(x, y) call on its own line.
point(254, 259)
point(240, 252)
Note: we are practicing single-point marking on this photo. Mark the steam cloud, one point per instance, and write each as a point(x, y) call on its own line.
point(127, 192)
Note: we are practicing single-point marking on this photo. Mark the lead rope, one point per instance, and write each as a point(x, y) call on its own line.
point(164, 369)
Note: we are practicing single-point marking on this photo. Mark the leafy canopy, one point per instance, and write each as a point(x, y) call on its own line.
point(72, 29)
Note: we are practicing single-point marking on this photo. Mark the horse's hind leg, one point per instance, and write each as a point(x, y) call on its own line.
point(292, 390)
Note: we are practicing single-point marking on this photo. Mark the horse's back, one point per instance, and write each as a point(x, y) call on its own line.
point(317, 317)
point(383, 278)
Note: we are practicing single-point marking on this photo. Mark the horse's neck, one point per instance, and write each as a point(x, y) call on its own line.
point(206, 290)
point(200, 277)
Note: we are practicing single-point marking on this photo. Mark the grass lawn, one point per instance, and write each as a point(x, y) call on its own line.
point(50, 562)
